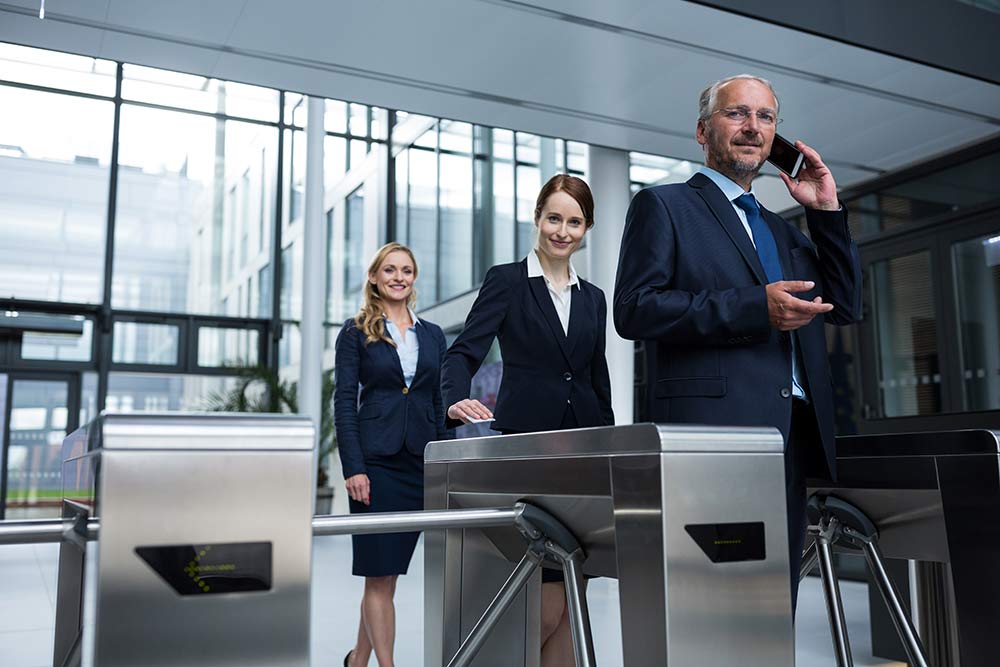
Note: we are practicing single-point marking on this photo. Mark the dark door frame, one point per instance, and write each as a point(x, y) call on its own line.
point(73, 382)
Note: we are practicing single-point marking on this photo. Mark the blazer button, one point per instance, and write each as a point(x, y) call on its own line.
point(785, 392)
point(406, 390)
point(567, 376)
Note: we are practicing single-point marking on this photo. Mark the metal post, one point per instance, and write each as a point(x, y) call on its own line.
point(579, 616)
point(831, 589)
point(518, 578)
point(900, 618)
point(809, 558)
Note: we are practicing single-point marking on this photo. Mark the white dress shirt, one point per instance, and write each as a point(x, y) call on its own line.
point(408, 349)
point(561, 298)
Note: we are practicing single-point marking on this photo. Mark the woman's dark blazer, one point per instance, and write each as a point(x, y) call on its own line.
point(544, 370)
point(389, 415)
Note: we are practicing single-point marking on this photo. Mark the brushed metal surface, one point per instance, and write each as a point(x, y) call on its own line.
point(184, 479)
point(626, 493)
point(607, 440)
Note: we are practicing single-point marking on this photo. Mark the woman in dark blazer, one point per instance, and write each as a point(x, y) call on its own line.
point(551, 328)
point(395, 360)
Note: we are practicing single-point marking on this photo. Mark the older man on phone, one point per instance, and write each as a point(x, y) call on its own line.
point(734, 298)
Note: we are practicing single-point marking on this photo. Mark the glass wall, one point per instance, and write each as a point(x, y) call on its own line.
point(465, 196)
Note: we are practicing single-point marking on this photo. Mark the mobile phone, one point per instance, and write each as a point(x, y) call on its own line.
point(785, 156)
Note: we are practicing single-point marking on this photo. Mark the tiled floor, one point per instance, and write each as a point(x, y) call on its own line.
point(27, 590)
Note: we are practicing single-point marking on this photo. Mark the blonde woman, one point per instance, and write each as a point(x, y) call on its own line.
point(393, 359)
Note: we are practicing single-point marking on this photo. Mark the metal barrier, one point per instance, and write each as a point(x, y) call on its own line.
point(546, 538)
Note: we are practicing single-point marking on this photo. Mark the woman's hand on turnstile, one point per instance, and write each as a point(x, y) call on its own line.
point(359, 488)
point(469, 410)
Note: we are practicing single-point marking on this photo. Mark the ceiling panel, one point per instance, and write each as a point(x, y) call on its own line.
point(624, 74)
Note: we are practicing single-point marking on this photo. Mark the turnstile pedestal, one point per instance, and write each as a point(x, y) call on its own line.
point(691, 520)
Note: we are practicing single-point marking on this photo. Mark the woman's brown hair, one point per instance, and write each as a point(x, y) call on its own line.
point(371, 318)
point(575, 187)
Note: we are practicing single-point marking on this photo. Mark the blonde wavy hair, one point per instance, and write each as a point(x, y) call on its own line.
point(371, 318)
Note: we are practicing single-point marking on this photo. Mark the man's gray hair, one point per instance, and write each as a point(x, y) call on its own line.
point(706, 101)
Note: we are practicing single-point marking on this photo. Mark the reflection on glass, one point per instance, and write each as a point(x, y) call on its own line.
point(909, 375)
point(359, 149)
point(192, 193)
point(39, 67)
point(455, 259)
point(977, 292)
point(354, 261)
point(335, 118)
point(59, 347)
point(358, 125)
point(144, 343)
point(529, 182)
point(188, 91)
point(163, 392)
point(456, 137)
point(576, 153)
point(38, 422)
point(54, 168)
point(423, 238)
point(227, 346)
point(334, 160)
point(503, 144)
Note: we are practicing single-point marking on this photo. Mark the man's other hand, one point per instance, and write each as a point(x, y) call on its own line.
point(788, 313)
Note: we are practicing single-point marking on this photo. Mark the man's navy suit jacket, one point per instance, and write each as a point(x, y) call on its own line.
point(690, 282)
point(388, 415)
point(544, 369)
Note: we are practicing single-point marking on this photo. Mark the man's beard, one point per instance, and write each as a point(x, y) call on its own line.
point(743, 166)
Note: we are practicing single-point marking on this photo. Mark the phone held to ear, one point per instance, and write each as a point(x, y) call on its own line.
point(785, 156)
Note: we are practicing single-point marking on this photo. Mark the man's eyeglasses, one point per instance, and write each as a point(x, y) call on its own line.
point(740, 115)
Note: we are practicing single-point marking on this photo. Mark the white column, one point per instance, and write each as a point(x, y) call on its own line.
point(609, 180)
point(313, 271)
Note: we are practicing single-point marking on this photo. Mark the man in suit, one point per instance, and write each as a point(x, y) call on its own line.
point(735, 299)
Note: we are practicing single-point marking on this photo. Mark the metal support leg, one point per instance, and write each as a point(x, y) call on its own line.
point(809, 558)
point(576, 603)
point(900, 618)
point(831, 589)
point(518, 578)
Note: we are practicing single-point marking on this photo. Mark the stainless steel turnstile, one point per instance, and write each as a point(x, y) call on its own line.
point(205, 541)
point(691, 520)
point(935, 498)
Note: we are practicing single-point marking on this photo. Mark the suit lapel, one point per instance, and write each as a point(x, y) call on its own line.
point(540, 292)
point(722, 208)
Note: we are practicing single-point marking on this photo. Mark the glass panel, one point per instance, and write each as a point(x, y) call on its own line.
point(291, 281)
point(423, 221)
point(290, 347)
point(358, 120)
point(528, 185)
point(577, 156)
point(380, 121)
point(161, 392)
point(295, 109)
point(38, 422)
point(194, 193)
point(527, 148)
point(455, 269)
point(503, 213)
point(295, 167)
point(456, 136)
point(402, 164)
point(977, 292)
point(144, 343)
point(39, 67)
point(334, 160)
point(909, 377)
point(188, 91)
point(503, 144)
point(227, 346)
point(359, 149)
point(59, 347)
point(88, 398)
point(354, 261)
point(55, 153)
point(335, 119)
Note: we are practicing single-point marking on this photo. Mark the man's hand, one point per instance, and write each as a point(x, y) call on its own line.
point(814, 187)
point(788, 313)
point(359, 488)
point(468, 409)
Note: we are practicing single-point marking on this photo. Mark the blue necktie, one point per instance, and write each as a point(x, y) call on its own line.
point(767, 250)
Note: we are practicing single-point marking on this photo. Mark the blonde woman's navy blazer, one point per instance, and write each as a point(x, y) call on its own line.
point(387, 415)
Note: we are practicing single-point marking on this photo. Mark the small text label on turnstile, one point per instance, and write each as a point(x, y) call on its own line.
point(209, 569)
point(729, 542)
